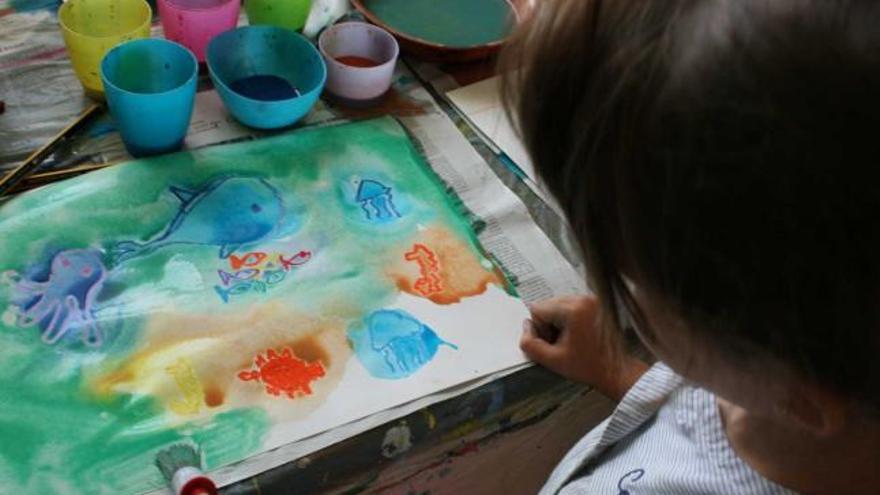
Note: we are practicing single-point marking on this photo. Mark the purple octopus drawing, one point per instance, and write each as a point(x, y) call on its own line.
point(66, 300)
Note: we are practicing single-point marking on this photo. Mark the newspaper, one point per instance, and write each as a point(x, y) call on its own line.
point(510, 235)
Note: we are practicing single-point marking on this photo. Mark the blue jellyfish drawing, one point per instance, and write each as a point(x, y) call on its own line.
point(228, 212)
point(66, 299)
point(393, 344)
point(376, 200)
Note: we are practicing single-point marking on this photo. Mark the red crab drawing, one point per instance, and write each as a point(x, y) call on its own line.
point(284, 373)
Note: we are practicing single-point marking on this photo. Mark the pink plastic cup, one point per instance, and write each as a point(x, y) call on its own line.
point(194, 23)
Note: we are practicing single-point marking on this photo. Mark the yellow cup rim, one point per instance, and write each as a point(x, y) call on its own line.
point(67, 6)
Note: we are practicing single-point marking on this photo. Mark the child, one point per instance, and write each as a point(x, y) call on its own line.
point(719, 161)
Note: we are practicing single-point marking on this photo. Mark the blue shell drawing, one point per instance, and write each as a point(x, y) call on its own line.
point(228, 212)
point(393, 344)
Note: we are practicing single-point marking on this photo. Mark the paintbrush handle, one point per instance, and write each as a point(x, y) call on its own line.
point(36, 158)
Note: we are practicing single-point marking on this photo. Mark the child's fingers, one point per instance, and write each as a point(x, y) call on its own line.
point(538, 349)
point(545, 331)
point(553, 312)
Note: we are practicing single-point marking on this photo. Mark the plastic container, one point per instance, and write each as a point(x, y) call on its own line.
point(360, 61)
point(92, 27)
point(268, 77)
point(194, 23)
point(290, 14)
point(150, 87)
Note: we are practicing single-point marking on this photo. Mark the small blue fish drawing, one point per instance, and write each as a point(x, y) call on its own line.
point(272, 277)
point(393, 344)
point(376, 200)
point(66, 300)
point(238, 276)
point(239, 289)
point(228, 212)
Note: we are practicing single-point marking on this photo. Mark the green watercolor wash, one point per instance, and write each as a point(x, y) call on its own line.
point(453, 23)
point(56, 436)
point(90, 447)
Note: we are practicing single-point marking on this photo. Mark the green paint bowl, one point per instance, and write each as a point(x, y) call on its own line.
point(446, 30)
point(290, 14)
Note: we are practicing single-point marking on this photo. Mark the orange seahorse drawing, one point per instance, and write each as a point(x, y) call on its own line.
point(429, 281)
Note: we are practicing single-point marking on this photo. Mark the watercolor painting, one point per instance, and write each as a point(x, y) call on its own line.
point(242, 297)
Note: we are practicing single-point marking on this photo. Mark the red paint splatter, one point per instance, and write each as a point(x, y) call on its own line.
point(250, 259)
point(214, 397)
point(467, 448)
point(429, 281)
point(284, 373)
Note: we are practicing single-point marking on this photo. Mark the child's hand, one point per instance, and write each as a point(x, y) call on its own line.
point(563, 336)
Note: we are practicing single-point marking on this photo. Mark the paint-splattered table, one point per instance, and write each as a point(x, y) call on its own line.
point(504, 438)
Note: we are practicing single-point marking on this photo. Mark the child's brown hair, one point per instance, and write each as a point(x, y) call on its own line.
point(724, 155)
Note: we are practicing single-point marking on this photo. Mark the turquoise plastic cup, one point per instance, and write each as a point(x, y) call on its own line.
point(151, 87)
point(268, 77)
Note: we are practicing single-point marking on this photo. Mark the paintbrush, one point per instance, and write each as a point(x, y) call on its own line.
point(43, 178)
point(33, 162)
point(181, 464)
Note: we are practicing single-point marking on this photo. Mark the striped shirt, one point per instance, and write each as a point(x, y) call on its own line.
point(665, 437)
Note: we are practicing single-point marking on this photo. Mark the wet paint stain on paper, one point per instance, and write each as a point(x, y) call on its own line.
point(441, 268)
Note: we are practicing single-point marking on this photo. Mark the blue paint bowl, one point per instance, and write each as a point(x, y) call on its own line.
point(150, 85)
point(268, 77)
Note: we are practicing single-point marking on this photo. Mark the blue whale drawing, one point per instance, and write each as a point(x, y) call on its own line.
point(228, 212)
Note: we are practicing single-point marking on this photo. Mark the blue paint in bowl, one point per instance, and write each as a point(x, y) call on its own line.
point(268, 77)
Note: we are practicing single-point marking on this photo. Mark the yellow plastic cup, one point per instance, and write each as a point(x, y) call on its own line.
point(92, 27)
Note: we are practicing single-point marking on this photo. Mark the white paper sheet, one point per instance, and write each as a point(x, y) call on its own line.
point(480, 103)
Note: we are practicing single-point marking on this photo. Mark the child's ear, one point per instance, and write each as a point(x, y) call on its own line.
point(815, 409)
